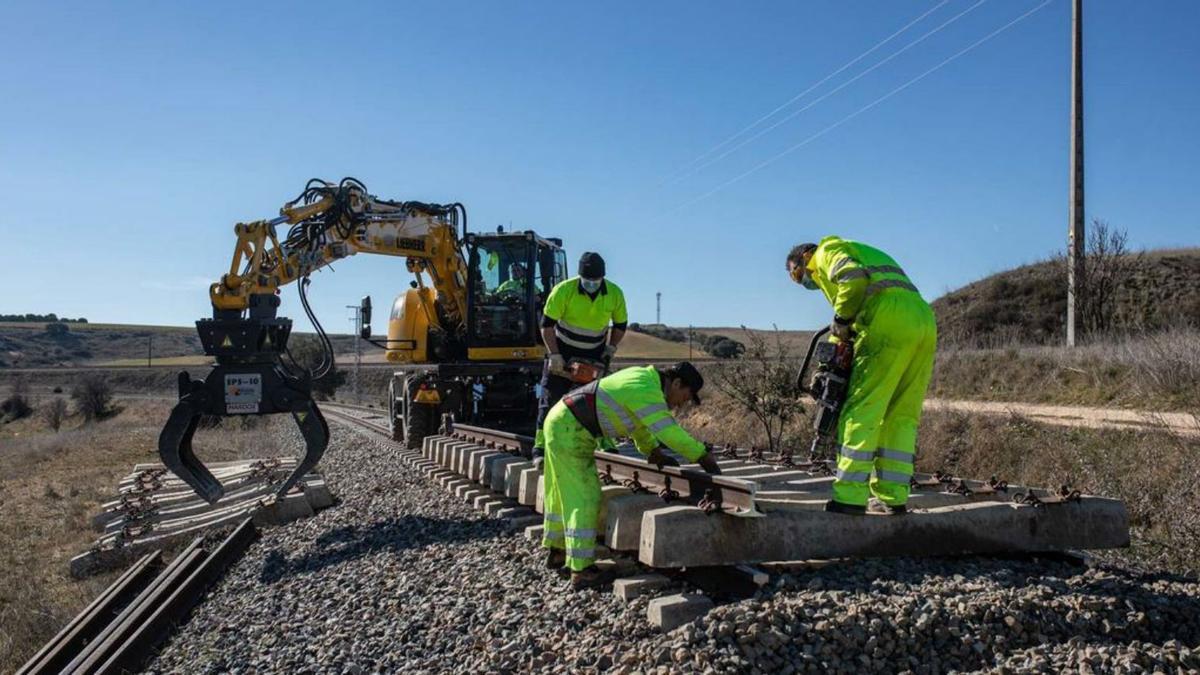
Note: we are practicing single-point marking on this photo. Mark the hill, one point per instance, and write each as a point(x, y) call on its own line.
point(1028, 305)
point(31, 345)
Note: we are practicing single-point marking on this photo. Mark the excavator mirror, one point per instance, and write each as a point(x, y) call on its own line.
point(364, 315)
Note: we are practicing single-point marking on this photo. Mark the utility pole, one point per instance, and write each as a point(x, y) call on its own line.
point(689, 342)
point(356, 319)
point(658, 308)
point(149, 349)
point(1075, 234)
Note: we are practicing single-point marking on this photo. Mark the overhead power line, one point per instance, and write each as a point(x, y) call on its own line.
point(802, 94)
point(856, 113)
point(840, 87)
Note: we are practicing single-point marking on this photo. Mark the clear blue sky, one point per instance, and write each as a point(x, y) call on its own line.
point(134, 134)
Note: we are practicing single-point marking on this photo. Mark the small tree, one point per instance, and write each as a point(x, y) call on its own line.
point(93, 397)
point(57, 329)
point(1107, 266)
point(763, 383)
point(56, 412)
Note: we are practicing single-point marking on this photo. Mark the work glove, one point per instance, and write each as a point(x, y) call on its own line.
point(840, 328)
point(657, 458)
point(609, 352)
point(558, 365)
point(708, 462)
point(539, 458)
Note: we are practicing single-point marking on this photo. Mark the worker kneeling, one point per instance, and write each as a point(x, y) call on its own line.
point(634, 402)
point(894, 335)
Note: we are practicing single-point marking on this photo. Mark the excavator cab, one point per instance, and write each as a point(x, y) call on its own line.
point(510, 277)
point(248, 379)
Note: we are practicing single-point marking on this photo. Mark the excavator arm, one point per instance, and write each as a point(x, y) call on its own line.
point(326, 222)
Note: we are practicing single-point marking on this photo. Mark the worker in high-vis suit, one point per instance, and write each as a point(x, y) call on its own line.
point(635, 403)
point(894, 334)
point(584, 318)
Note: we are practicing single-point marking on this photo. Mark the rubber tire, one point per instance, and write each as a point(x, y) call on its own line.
point(418, 424)
point(395, 422)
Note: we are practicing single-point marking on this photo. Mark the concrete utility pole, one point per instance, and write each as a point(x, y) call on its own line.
point(1075, 234)
point(658, 308)
point(356, 319)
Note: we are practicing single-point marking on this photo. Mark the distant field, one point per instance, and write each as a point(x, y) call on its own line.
point(796, 341)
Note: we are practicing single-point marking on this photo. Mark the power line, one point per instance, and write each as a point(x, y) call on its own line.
point(858, 112)
point(835, 90)
point(801, 95)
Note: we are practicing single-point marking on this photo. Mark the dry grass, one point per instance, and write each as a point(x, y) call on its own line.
point(50, 486)
point(1155, 371)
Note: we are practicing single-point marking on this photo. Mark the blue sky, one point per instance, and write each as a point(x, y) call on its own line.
point(133, 136)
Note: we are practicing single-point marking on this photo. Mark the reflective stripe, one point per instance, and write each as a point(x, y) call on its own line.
point(556, 534)
point(885, 269)
point(616, 408)
point(606, 426)
point(857, 455)
point(853, 476)
point(662, 424)
point(856, 273)
point(649, 410)
point(877, 286)
point(894, 476)
point(554, 517)
point(582, 332)
point(581, 534)
point(896, 455)
point(576, 343)
point(837, 267)
point(584, 553)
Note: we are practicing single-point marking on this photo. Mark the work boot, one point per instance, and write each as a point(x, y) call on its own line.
point(832, 506)
point(897, 510)
point(555, 558)
point(590, 577)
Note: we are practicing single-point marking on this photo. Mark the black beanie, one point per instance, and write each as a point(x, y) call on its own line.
point(591, 265)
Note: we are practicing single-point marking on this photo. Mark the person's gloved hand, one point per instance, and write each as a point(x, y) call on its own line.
point(657, 458)
point(708, 462)
point(539, 458)
point(840, 328)
point(609, 352)
point(558, 365)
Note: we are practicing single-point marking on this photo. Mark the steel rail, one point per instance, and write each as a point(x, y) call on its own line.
point(699, 488)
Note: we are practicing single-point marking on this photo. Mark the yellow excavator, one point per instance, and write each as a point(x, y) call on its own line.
point(464, 343)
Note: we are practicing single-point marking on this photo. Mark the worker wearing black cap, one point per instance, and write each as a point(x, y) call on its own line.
point(631, 403)
point(584, 319)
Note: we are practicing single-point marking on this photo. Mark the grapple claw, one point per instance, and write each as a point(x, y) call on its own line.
point(247, 380)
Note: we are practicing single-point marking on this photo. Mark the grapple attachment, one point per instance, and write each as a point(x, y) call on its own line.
point(247, 380)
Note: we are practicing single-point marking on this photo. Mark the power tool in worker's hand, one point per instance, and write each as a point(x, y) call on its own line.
point(829, 386)
point(584, 371)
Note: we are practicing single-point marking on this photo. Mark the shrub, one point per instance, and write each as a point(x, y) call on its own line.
point(93, 397)
point(17, 404)
point(56, 412)
point(309, 355)
point(57, 329)
point(763, 384)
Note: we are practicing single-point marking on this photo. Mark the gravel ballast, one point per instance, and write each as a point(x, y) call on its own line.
point(402, 577)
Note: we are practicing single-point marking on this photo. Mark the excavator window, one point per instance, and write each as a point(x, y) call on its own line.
point(503, 293)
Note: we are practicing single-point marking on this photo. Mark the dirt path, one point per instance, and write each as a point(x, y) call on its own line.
point(1079, 416)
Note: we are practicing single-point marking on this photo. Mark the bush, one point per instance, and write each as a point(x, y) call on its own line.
point(763, 384)
point(724, 348)
point(93, 397)
point(56, 412)
point(17, 404)
point(57, 329)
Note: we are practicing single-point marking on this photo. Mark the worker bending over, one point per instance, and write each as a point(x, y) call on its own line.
point(894, 335)
point(634, 402)
point(575, 324)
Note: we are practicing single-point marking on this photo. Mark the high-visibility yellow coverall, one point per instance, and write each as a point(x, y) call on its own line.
point(893, 361)
point(581, 324)
point(629, 403)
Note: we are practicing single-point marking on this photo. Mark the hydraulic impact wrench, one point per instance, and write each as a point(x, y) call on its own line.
point(829, 386)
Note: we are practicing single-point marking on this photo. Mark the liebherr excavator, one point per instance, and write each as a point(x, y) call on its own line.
point(465, 344)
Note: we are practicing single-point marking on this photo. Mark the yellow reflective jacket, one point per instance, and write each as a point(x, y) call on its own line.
point(581, 321)
point(850, 273)
point(630, 403)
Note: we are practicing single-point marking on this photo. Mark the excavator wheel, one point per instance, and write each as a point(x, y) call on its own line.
point(418, 423)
